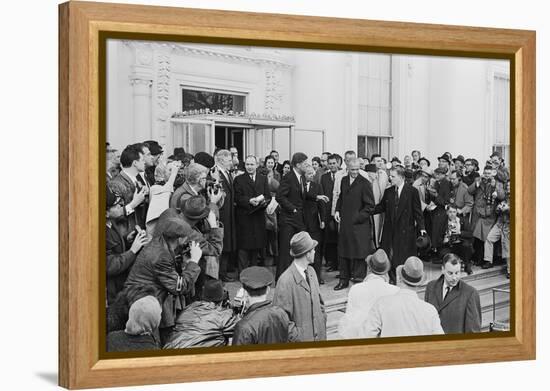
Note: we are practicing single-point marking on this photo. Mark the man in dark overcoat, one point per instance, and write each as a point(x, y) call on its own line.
point(221, 172)
point(330, 237)
point(251, 197)
point(457, 303)
point(353, 211)
point(403, 219)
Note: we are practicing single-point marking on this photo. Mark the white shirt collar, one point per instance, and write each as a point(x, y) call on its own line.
point(301, 270)
point(400, 188)
point(297, 174)
point(445, 288)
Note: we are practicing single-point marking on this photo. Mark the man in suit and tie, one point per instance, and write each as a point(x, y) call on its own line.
point(127, 185)
point(402, 220)
point(251, 197)
point(330, 237)
point(314, 216)
point(222, 172)
point(457, 303)
point(291, 196)
point(278, 166)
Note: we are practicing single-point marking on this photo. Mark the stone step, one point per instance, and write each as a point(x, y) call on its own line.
point(501, 304)
point(482, 280)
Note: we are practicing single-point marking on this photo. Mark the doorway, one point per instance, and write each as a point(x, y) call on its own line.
point(226, 137)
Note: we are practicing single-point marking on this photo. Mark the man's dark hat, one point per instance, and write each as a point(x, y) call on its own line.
point(440, 171)
point(460, 158)
point(395, 159)
point(173, 228)
point(256, 277)
point(426, 160)
point(379, 262)
point(154, 147)
point(213, 291)
point(195, 208)
point(445, 157)
point(370, 168)
point(423, 243)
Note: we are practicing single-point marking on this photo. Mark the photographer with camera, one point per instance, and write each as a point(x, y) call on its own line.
point(487, 192)
point(119, 258)
point(169, 264)
point(205, 323)
point(198, 183)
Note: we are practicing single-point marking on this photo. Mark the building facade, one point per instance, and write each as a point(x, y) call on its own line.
point(204, 96)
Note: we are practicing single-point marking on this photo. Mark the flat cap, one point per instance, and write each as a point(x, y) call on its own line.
point(256, 277)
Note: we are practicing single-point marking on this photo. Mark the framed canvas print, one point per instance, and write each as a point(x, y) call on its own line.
point(270, 195)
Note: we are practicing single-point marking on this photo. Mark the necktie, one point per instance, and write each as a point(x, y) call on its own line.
point(301, 185)
point(396, 198)
point(447, 289)
point(307, 278)
point(332, 176)
point(139, 183)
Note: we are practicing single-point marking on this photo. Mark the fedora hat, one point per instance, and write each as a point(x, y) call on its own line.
point(379, 262)
point(426, 170)
point(425, 159)
point(301, 244)
point(195, 208)
point(412, 272)
point(423, 243)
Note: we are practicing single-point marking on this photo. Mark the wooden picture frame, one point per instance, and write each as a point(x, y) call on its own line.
point(81, 161)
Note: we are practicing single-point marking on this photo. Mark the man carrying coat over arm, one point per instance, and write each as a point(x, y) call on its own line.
point(403, 219)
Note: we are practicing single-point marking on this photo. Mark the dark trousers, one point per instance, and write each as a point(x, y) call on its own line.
point(248, 258)
point(330, 245)
point(352, 268)
point(318, 236)
point(286, 232)
point(224, 261)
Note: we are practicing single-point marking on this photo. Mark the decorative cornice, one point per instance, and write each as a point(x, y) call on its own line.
point(208, 114)
point(179, 48)
point(140, 81)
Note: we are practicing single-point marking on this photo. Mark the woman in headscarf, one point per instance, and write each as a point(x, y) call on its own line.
point(141, 331)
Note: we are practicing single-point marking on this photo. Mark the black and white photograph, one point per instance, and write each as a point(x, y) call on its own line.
point(259, 195)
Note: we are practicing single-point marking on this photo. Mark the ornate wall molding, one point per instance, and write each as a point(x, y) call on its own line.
point(273, 91)
point(183, 49)
point(162, 100)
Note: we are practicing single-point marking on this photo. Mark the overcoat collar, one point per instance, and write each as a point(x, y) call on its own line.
point(298, 277)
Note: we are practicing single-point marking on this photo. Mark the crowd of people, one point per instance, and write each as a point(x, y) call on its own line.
point(178, 228)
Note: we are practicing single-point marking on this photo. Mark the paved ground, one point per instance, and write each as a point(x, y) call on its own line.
point(327, 291)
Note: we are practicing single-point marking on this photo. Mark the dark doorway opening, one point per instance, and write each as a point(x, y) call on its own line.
point(226, 137)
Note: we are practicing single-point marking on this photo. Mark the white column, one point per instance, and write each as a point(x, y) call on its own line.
point(291, 141)
point(142, 108)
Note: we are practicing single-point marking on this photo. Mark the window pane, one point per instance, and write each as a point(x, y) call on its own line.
point(362, 120)
point(373, 120)
point(385, 122)
point(372, 146)
point(196, 100)
point(361, 147)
